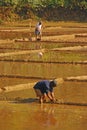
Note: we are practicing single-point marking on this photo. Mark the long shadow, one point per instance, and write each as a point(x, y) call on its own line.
point(35, 100)
point(72, 103)
point(27, 100)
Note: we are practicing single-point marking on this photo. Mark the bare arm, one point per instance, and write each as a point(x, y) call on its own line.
point(51, 96)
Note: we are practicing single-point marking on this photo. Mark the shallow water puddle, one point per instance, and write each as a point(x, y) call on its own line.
point(48, 116)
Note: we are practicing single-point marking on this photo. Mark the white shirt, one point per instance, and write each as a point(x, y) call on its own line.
point(38, 26)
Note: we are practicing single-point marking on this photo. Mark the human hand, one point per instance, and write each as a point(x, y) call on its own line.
point(53, 100)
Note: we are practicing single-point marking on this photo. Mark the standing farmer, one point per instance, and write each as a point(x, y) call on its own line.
point(44, 89)
point(38, 31)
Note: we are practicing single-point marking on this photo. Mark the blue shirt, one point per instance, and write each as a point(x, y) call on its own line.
point(44, 86)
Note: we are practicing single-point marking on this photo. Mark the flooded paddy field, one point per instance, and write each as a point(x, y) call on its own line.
point(48, 56)
point(70, 92)
point(63, 55)
point(19, 110)
point(41, 70)
point(50, 117)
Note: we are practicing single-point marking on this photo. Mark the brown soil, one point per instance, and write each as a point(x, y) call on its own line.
point(70, 38)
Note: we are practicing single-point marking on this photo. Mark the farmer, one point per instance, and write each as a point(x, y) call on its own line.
point(38, 31)
point(44, 89)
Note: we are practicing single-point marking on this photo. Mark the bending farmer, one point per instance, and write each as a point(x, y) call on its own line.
point(44, 89)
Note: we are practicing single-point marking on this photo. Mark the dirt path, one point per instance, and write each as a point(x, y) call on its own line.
point(20, 52)
point(58, 38)
point(17, 87)
point(77, 78)
point(30, 85)
point(75, 48)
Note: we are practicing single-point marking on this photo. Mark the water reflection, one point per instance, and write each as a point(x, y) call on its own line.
point(5, 118)
point(33, 116)
point(45, 116)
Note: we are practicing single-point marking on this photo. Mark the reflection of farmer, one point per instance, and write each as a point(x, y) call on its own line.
point(38, 30)
point(45, 116)
point(44, 89)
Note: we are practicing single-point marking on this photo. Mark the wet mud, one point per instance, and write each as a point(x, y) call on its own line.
point(64, 55)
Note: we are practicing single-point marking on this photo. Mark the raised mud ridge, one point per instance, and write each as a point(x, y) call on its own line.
point(30, 85)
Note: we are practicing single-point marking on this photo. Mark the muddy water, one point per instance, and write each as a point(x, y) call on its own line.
point(68, 91)
point(31, 116)
point(74, 92)
point(42, 70)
